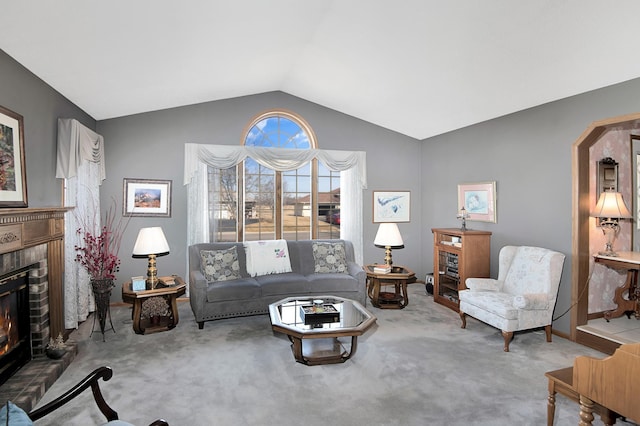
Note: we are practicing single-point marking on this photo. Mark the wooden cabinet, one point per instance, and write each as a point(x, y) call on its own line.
point(458, 255)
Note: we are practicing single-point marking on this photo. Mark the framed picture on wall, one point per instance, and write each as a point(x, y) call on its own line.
point(391, 206)
point(147, 197)
point(13, 175)
point(478, 200)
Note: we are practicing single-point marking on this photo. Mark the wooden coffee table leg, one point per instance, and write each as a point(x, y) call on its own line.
point(174, 309)
point(354, 347)
point(551, 403)
point(296, 347)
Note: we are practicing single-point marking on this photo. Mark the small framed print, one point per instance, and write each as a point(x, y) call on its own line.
point(478, 200)
point(147, 197)
point(391, 206)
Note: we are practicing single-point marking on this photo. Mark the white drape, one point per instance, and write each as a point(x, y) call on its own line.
point(80, 162)
point(351, 164)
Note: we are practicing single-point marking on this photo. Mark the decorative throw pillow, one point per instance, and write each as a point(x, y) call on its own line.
point(11, 414)
point(220, 265)
point(330, 257)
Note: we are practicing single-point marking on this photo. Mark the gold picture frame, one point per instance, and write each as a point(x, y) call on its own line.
point(13, 172)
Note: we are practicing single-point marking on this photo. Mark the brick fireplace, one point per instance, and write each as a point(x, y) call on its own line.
point(32, 244)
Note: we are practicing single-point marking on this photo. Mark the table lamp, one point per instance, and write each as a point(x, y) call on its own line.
point(151, 242)
point(610, 209)
point(389, 237)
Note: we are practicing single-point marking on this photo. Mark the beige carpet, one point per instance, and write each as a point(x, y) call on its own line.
point(415, 367)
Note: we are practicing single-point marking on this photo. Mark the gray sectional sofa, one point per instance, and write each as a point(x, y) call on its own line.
point(244, 295)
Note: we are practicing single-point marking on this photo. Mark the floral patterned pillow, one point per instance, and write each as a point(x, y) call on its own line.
point(330, 257)
point(220, 265)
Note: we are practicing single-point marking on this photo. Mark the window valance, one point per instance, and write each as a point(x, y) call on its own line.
point(77, 143)
point(280, 159)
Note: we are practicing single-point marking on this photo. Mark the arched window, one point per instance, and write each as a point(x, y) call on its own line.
point(296, 205)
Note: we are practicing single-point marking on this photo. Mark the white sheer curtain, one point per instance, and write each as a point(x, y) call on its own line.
point(80, 162)
point(351, 164)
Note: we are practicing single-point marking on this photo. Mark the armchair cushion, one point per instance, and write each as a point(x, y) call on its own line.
point(531, 301)
point(12, 415)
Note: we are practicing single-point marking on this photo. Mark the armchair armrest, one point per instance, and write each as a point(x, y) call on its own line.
point(483, 284)
point(531, 301)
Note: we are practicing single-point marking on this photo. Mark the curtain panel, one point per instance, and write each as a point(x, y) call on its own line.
point(351, 164)
point(80, 162)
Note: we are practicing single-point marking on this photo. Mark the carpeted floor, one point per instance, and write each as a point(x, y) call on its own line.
point(415, 367)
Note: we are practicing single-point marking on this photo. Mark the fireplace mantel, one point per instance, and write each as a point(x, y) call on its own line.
point(29, 227)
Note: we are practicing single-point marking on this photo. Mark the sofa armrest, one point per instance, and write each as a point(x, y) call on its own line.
point(531, 301)
point(483, 284)
point(356, 271)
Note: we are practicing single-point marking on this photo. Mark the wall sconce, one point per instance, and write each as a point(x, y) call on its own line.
point(610, 209)
point(389, 237)
point(151, 242)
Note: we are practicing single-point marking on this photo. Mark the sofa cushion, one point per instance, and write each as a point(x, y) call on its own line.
point(240, 289)
point(220, 265)
point(330, 257)
point(328, 283)
point(283, 284)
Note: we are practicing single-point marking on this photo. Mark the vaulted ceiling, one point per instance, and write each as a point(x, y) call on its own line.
point(418, 67)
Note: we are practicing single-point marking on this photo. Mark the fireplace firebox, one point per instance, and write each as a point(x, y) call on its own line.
point(15, 332)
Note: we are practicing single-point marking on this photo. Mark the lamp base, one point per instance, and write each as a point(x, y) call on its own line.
point(608, 253)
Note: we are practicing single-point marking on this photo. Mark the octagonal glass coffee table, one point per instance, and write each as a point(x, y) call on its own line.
point(314, 329)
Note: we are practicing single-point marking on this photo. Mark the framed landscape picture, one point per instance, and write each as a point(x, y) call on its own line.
point(391, 206)
point(147, 197)
point(13, 175)
point(479, 201)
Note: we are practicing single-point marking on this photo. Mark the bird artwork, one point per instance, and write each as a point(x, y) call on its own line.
point(390, 205)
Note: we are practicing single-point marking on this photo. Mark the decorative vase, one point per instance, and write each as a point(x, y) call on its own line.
point(55, 353)
point(102, 293)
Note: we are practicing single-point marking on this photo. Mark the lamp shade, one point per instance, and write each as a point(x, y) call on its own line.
point(388, 236)
point(150, 241)
point(611, 206)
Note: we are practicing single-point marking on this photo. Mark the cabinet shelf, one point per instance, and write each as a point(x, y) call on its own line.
point(458, 255)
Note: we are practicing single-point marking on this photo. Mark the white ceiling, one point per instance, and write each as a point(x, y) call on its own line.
point(418, 67)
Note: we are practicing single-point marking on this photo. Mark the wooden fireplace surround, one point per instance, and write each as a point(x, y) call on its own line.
point(24, 228)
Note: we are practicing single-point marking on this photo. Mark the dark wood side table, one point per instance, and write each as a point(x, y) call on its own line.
point(137, 298)
point(628, 261)
point(397, 279)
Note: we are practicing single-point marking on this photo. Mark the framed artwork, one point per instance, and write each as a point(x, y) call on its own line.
point(391, 206)
point(13, 174)
point(479, 201)
point(147, 197)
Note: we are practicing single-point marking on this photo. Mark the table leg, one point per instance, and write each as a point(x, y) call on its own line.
point(625, 305)
point(137, 313)
point(375, 300)
point(551, 403)
point(174, 309)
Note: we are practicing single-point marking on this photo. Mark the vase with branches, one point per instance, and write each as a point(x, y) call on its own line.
point(98, 254)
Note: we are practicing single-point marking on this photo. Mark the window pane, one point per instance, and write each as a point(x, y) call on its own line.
point(259, 202)
point(328, 203)
point(223, 203)
point(296, 205)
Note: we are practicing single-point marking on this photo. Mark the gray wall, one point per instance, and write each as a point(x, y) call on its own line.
point(528, 154)
point(151, 146)
point(40, 106)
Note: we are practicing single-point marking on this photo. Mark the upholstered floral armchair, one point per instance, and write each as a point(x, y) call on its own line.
point(522, 298)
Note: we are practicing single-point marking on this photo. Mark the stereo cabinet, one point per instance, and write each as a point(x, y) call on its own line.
point(458, 255)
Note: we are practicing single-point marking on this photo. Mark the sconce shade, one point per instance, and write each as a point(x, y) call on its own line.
point(611, 206)
point(388, 236)
point(150, 241)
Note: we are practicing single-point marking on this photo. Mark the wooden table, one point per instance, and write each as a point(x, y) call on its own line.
point(561, 381)
point(137, 298)
point(317, 344)
point(628, 261)
point(398, 279)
